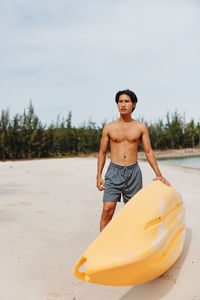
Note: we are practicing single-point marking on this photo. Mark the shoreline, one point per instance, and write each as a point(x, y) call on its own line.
point(177, 166)
point(172, 153)
point(159, 154)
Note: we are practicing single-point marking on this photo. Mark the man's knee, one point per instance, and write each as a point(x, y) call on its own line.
point(108, 210)
point(107, 213)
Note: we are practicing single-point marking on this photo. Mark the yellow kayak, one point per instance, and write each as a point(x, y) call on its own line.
point(140, 243)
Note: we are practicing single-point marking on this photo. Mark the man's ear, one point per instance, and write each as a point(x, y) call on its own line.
point(134, 104)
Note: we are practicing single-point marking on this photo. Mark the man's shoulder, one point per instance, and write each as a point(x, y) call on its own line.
point(111, 124)
point(140, 124)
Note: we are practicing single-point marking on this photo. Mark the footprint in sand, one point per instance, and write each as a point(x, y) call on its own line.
point(19, 204)
point(43, 192)
point(53, 296)
point(168, 277)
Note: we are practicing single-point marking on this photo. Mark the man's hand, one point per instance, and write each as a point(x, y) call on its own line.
point(161, 178)
point(100, 183)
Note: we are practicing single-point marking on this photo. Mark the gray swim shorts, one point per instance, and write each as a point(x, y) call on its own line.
point(125, 180)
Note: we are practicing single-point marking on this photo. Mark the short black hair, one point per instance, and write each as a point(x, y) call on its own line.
point(130, 93)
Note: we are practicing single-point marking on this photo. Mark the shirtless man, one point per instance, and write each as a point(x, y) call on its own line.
point(123, 175)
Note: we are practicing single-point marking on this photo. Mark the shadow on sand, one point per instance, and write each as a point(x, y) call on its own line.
point(9, 189)
point(165, 282)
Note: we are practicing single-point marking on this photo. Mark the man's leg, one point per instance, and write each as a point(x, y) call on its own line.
point(107, 213)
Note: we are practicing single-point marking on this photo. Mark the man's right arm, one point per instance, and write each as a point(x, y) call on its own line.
point(102, 157)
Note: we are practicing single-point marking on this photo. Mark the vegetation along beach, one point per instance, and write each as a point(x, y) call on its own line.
point(24, 136)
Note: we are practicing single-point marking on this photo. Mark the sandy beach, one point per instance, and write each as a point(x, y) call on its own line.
point(49, 215)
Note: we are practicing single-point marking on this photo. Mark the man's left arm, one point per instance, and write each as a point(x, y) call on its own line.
point(150, 155)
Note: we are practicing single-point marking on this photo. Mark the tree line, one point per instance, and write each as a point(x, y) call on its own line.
point(25, 137)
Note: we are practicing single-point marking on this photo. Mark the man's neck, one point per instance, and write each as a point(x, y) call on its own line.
point(125, 118)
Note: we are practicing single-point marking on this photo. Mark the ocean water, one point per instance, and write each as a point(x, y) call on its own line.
point(187, 162)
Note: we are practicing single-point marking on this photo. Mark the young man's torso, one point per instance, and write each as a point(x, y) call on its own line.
point(124, 139)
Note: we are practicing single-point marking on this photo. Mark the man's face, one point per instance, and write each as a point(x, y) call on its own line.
point(125, 105)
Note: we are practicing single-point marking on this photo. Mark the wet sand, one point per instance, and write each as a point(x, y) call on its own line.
point(49, 215)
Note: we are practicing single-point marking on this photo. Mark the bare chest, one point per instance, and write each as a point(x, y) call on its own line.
point(121, 135)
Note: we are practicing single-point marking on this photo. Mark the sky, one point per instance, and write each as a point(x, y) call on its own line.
point(69, 55)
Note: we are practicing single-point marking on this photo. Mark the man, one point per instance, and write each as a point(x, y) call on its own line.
point(123, 175)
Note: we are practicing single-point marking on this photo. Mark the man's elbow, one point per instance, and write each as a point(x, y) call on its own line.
point(102, 152)
point(148, 153)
